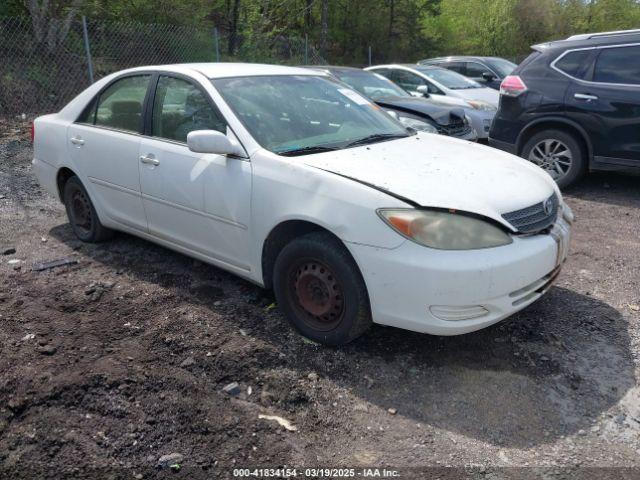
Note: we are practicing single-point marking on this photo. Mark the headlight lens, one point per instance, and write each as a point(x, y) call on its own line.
point(481, 105)
point(444, 230)
point(417, 124)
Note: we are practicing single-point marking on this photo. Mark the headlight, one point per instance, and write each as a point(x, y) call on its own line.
point(444, 230)
point(481, 105)
point(417, 124)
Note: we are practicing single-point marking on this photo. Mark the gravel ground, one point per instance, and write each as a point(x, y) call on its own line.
point(120, 358)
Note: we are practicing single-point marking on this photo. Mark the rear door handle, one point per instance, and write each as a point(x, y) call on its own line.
point(585, 96)
point(151, 160)
point(77, 141)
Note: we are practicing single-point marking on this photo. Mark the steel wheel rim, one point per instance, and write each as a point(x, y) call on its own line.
point(553, 156)
point(81, 211)
point(316, 294)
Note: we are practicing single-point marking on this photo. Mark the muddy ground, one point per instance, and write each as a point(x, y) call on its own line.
point(110, 363)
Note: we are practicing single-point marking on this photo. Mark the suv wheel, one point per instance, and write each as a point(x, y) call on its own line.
point(558, 153)
point(82, 215)
point(320, 290)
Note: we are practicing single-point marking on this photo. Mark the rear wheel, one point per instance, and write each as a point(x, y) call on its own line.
point(320, 290)
point(557, 152)
point(82, 215)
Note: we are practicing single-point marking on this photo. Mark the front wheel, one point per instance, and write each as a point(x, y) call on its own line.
point(320, 290)
point(557, 152)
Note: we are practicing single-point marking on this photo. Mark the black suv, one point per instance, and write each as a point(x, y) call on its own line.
point(487, 71)
point(574, 105)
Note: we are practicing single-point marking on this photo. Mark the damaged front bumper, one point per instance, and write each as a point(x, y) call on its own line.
point(455, 292)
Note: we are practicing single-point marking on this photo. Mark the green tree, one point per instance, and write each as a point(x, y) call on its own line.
point(396, 30)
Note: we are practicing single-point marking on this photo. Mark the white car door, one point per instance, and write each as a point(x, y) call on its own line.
point(199, 201)
point(104, 145)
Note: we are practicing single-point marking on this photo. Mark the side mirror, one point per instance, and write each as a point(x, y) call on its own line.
point(212, 141)
point(488, 77)
point(423, 90)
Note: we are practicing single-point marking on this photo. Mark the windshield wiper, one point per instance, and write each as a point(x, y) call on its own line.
point(306, 151)
point(376, 137)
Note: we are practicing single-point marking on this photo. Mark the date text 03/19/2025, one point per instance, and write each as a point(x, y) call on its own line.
point(315, 473)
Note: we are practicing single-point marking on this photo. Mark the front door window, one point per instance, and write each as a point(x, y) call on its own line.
point(179, 108)
point(408, 80)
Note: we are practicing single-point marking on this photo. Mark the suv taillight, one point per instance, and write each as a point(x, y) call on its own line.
point(33, 131)
point(512, 86)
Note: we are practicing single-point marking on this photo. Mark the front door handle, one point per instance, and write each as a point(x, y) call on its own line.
point(77, 141)
point(585, 96)
point(151, 160)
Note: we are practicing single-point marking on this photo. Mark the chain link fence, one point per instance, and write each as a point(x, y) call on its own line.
point(43, 67)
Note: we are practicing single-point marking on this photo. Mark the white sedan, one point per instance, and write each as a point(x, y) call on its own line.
point(298, 183)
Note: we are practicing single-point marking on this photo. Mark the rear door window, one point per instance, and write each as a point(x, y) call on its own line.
point(618, 65)
point(457, 67)
point(120, 105)
point(88, 115)
point(574, 64)
point(475, 70)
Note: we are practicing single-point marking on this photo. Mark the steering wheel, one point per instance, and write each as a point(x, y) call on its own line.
point(201, 115)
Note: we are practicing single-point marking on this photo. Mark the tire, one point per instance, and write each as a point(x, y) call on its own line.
point(82, 215)
point(320, 290)
point(543, 149)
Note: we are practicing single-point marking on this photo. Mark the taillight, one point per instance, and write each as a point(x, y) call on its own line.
point(512, 86)
point(33, 131)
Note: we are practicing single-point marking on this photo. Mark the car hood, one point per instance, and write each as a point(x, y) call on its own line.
point(422, 107)
point(488, 95)
point(436, 171)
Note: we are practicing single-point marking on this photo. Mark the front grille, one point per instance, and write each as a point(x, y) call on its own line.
point(454, 129)
point(533, 219)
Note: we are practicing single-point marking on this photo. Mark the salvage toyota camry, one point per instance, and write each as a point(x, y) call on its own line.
point(297, 183)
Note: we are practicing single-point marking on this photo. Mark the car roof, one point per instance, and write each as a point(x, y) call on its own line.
point(226, 70)
point(590, 40)
point(339, 68)
point(413, 66)
point(333, 68)
point(459, 57)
